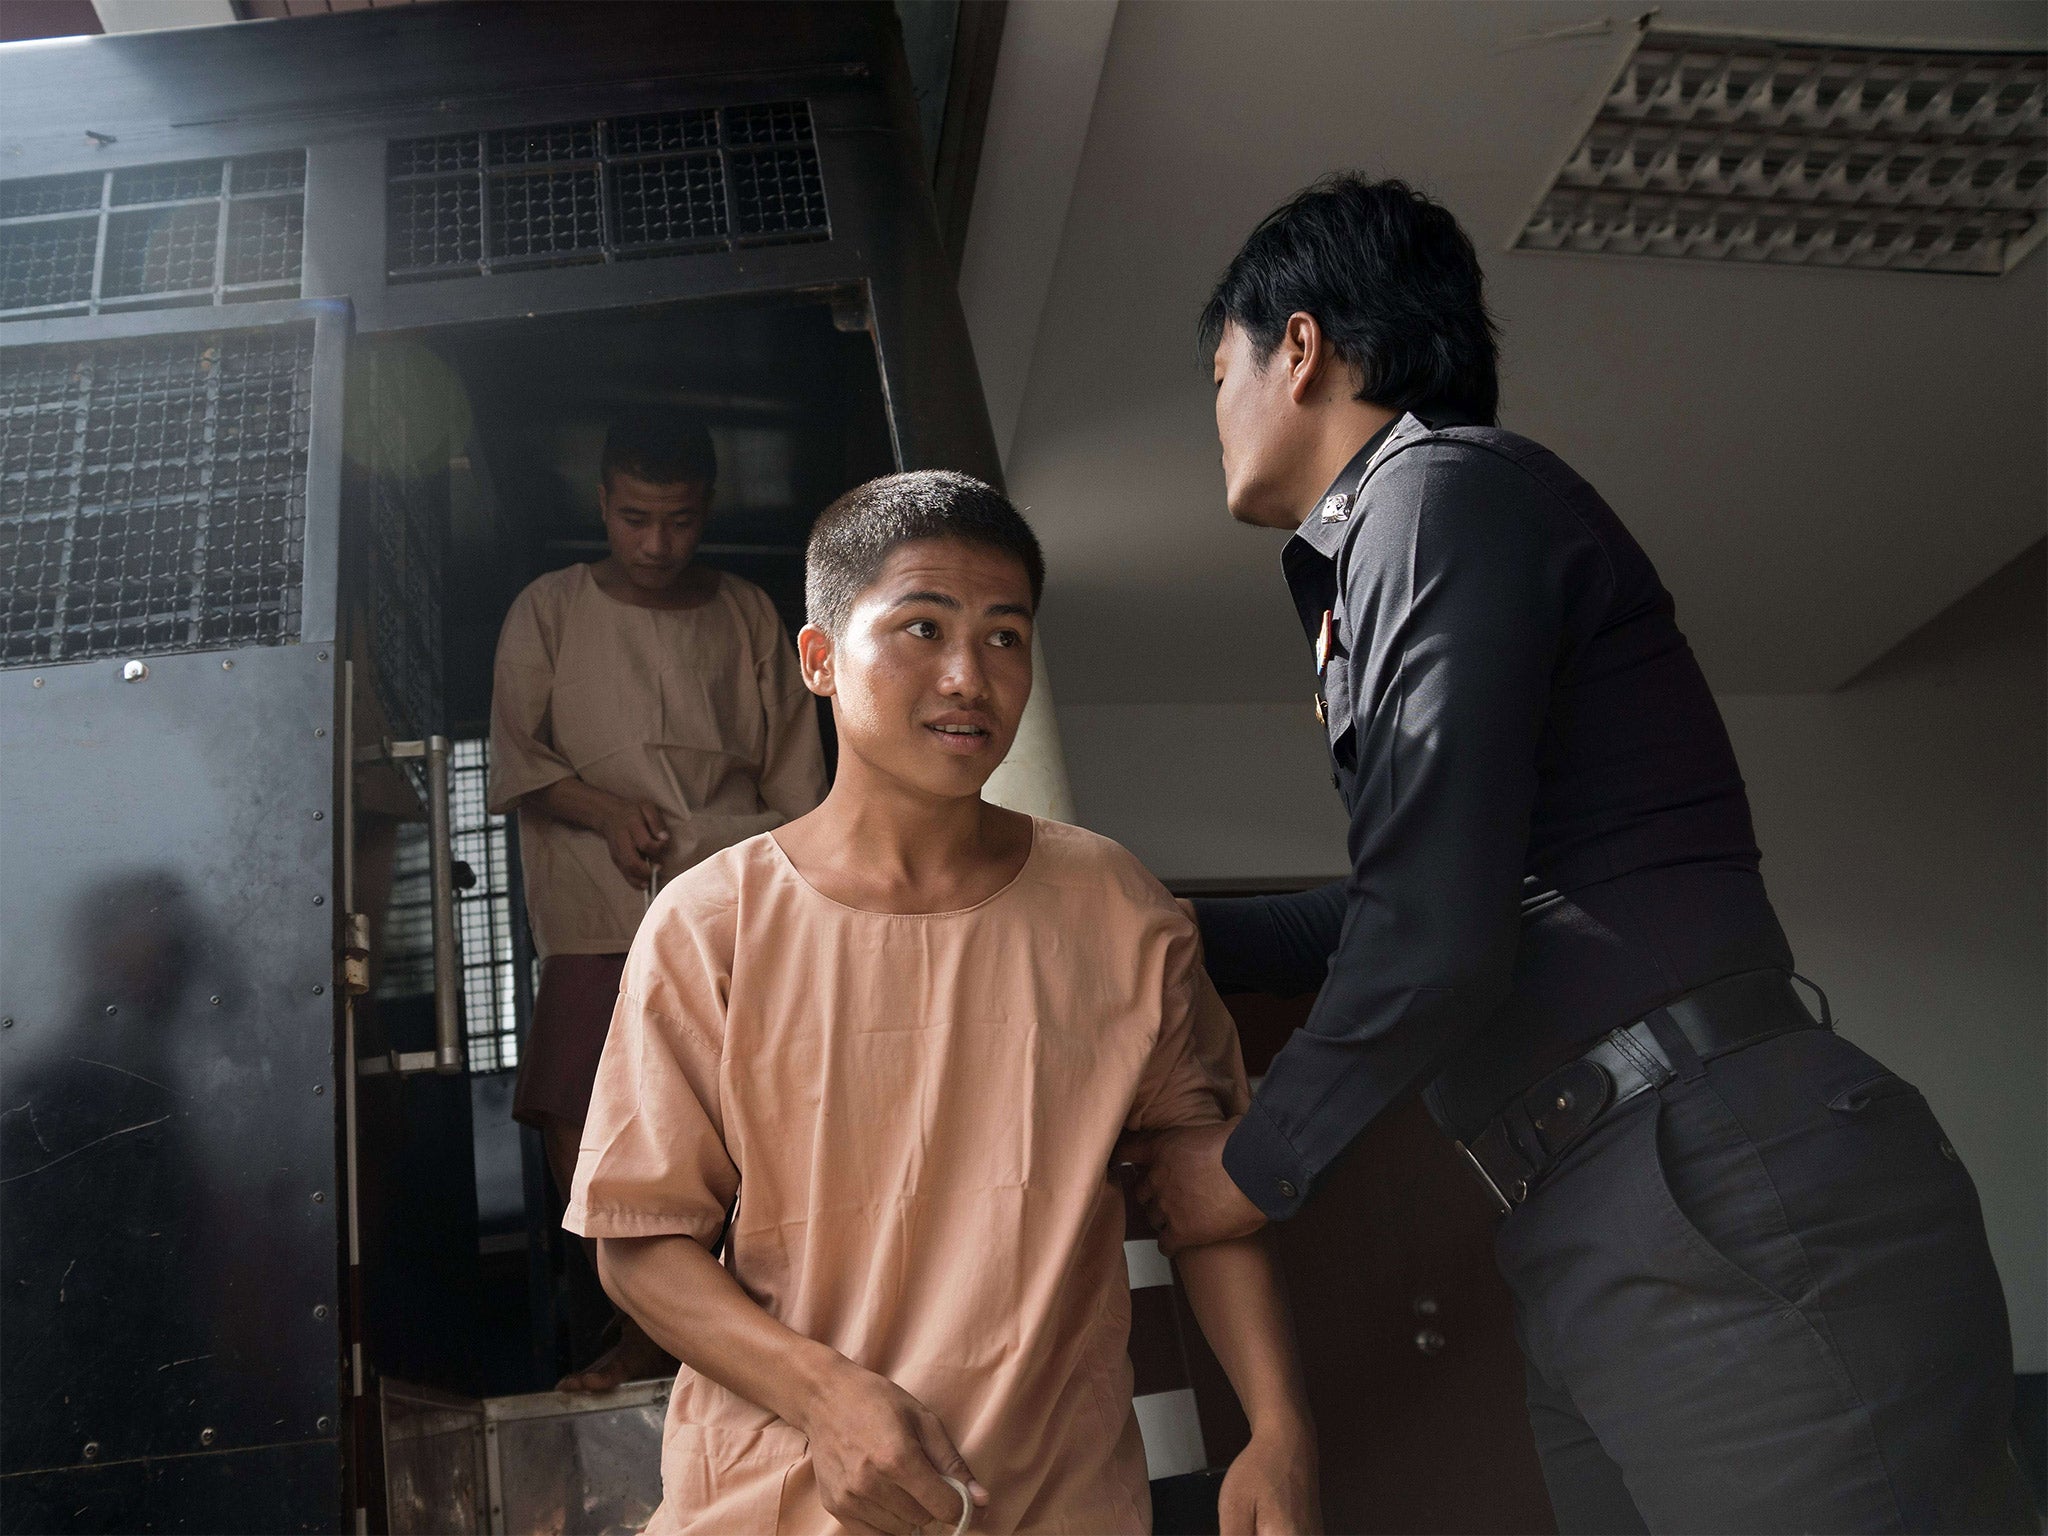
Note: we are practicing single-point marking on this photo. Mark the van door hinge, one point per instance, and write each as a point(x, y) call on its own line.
point(355, 954)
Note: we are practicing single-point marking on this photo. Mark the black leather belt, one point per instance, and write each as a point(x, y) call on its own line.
point(1522, 1143)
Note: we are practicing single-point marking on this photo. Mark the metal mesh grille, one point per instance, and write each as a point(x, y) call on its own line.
point(435, 224)
point(399, 450)
point(483, 916)
point(548, 213)
point(283, 171)
point(483, 913)
point(423, 157)
point(161, 250)
point(266, 240)
point(774, 122)
point(547, 145)
point(152, 493)
point(676, 200)
point(50, 194)
point(193, 232)
point(661, 133)
point(650, 184)
point(777, 191)
point(1740, 149)
point(50, 263)
point(166, 183)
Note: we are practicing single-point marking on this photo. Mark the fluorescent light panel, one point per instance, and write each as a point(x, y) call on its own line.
point(1722, 148)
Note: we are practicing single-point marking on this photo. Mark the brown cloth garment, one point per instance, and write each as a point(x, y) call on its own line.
point(700, 710)
point(572, 1011)
point(915, 1114)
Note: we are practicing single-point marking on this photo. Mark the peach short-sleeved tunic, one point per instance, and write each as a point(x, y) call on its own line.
point(700, 710)
point(915, 1114)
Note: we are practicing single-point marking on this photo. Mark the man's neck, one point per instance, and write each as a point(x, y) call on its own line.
point(1347, 427)
point(692, 586)
point(881, 845)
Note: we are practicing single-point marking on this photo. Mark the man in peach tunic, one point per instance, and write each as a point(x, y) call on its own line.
point(882, 1055)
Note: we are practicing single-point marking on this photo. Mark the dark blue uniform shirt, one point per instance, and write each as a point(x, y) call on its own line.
point(1549, 836)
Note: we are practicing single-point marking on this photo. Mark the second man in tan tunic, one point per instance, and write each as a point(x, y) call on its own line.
point(646, 712)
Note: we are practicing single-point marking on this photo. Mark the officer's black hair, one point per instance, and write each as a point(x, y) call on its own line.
point(660, 447)
point(854, 537)
point(1392, 280)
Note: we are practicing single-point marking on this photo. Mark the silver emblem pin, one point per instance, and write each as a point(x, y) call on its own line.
point(1336, 507)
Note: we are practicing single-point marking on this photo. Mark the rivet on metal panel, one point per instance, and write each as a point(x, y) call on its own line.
point(319, 1089)
point(319, 901)
point(92, 1450)
point(318, 990)
point(321, 1310)
point(134, 671)
point(319, 815)
point(323, 1423)
point(37, 683)
point(206, 1437)
point(227, 666)
point(112, 1010)
point(319, 730)
point(319, 1197)
point(215, 999)
point(323, 655)
point(6, 1023)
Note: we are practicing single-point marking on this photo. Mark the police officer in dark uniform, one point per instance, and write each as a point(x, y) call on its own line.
point(1750, 1273)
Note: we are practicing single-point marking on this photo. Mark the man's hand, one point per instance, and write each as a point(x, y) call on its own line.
point(1187, 1196)
point(1270, 1490)
point(635, 836)
point(878, 1454)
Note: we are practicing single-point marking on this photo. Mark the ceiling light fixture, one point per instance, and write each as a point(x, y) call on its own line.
point(1750, 149)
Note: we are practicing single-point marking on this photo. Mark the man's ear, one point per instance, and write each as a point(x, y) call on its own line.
point(604, 498)
point(1307, 353)
point(814, 659)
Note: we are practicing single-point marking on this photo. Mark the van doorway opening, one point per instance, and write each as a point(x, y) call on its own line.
point(473, 469)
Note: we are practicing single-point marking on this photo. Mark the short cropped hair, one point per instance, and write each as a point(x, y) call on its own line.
point(1392, 280)
point(660, 447)
point(854, 537)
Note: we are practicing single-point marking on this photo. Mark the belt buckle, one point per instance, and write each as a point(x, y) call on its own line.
point(1500, 1198)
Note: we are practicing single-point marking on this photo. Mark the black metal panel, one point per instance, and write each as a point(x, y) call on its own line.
point(168, 1193)
point(273, 1489)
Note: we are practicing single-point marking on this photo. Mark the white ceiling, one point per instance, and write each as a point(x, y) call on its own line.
point(1817, 461)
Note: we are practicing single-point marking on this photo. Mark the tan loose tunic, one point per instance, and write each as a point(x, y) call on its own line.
point(700, 710)
point(915, 1114)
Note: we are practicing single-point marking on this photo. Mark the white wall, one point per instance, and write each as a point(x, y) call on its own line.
point(1208, 792)
point(1903, 832)
point(1903, 827)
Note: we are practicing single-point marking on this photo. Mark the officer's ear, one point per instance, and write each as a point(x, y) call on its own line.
point(1306, 351)
point(814, 650)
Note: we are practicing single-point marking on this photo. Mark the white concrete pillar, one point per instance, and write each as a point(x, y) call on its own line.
point(1033, 778)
